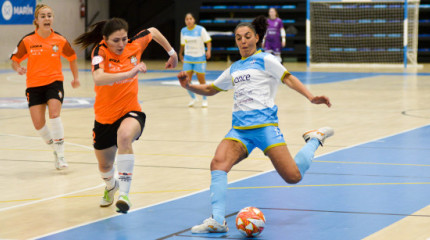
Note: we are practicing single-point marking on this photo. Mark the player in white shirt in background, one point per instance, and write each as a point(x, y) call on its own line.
point(193, 39)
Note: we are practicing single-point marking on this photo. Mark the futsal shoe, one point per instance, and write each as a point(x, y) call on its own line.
point(321, 134)
point(204, 103)
point(123, 204)
point(60, 162)
point(210, 225)
point(109, 195)
point(192, 102)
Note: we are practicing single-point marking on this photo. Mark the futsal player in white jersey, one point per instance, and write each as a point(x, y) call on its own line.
point(193, 39)
point(255, 79)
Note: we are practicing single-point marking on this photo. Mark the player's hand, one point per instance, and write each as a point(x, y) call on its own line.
point(75, 83)
point(321, 100)
point(172, 62)
point(21, 70)
point(141, 67)
point(184, 80)
point(208, 55)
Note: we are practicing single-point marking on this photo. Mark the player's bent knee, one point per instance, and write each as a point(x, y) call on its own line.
point(124, 140)
point(220, 164)
point(105, 167)
point(54, 115)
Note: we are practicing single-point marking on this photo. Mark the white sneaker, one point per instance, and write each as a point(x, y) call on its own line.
point(109, 195)
point(59, 162)
point(321, 134)
point(192, 102)
point(123, 204)
point(210, 226)
point(205, 104)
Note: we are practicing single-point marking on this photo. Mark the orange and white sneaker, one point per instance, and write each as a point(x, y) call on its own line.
point(210, 225)
point(321, 134)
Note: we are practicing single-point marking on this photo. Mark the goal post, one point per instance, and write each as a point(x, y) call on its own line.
point(378, 33)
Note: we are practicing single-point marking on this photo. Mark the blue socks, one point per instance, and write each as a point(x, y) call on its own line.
point(218, 195)
point(192, 95)
point(305, 156)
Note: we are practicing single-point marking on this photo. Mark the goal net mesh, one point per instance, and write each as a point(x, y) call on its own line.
point(368, 32)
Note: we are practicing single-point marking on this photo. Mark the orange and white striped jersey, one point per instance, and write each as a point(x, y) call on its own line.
point(115, 100)
point(44, 57)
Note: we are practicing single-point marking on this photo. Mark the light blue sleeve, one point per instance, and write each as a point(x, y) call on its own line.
point(224, 81)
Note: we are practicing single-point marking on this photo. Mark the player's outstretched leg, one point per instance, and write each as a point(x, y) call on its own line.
point(321, 134)
point(218, 195)
point(313, 139)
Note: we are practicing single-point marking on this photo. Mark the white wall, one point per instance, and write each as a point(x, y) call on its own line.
point(67, 22)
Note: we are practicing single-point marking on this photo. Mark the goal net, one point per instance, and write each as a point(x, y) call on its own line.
point(357, 32)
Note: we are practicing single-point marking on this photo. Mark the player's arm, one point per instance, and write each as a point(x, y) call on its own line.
point(75, 73)
point(102, 78)
point(160, 39)
point(17, 67)
point(202, 89)
point(291, 81)
point(283, 35)
point(181, 53)
point(19, 54)
point(209, 48)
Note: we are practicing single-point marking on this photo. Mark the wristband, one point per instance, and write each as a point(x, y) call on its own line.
point(171, 52)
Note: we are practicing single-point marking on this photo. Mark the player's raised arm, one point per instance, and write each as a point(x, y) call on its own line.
point(291, 81)
point(160, 39)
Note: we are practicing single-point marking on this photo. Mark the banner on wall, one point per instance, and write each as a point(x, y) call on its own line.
point(17, 12)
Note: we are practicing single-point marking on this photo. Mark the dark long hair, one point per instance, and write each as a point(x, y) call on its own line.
point(98, 30)
point(258, 26)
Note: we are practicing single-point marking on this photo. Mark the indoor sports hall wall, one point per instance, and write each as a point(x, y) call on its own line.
point(67, 21)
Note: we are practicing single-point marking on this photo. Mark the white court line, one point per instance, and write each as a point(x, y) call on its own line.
point(50, 198)
point(74, 144)
point(171, 200)
point(54, 197)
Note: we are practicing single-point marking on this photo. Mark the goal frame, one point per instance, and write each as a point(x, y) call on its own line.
point(409, 56)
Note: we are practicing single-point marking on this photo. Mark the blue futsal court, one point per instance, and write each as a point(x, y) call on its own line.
point(347, 194)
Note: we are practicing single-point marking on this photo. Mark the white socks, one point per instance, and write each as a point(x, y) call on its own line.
point(125, 164)
point(109, 178)
point(46, 136)
point(57, 133)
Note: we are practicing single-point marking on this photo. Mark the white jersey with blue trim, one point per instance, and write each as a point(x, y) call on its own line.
point(194, 41)
point(255, 81)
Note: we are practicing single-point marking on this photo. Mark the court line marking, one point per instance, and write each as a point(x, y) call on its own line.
point(65, 196)
point(52, 197)
point(206, 189)
point(187, 190)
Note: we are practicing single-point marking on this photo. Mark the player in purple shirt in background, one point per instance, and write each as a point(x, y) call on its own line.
point(274, 39)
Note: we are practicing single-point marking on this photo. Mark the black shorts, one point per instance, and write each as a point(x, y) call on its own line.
point(105, 135)
point(41, 95)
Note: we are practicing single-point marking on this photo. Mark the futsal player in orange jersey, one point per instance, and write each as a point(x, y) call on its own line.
point(119, 118)
point(43, 48)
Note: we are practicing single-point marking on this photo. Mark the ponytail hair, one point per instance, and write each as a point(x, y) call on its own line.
point(258, 26)
point(99, 30)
